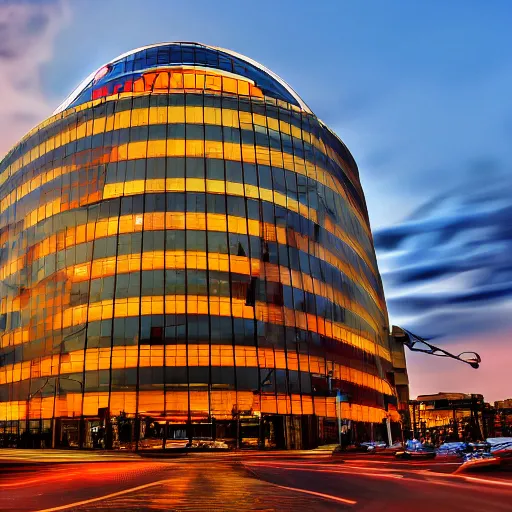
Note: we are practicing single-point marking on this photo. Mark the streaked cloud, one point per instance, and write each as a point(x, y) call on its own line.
point(447, 267)
point(27, 34)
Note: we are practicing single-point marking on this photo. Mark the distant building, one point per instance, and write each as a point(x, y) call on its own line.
point(450, 416)
point(503, 404)
point(503, 417)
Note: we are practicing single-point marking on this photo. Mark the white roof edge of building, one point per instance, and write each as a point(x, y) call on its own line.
point(76, 92)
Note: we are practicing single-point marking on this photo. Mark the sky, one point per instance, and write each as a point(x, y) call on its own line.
point(419, 92)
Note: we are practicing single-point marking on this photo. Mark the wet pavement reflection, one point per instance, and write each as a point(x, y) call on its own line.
point(203, 487)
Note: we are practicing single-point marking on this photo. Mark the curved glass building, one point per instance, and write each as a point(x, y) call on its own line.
point(185, 253)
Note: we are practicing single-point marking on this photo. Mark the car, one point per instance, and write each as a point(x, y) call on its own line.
point(495, 452)
point(373, 446)
point(415, 454)
point(452, 450)
point(415, 450)
point(500, 447)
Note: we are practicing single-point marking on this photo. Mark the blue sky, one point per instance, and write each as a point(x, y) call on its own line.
point(420, 93)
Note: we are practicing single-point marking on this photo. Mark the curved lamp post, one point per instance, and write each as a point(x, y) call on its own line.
point(416, 343)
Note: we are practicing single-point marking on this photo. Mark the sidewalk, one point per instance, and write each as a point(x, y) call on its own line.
point(27, 456)
point(16, 456)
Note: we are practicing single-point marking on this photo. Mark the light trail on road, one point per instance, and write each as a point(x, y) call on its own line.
point(319, 494)
point(244, 481)
point(103, 498)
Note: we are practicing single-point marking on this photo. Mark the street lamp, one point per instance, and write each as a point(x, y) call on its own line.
point(329, 376)
point(57, 386)
point(340, 397)
point(27, 408)
point(414, 403)
point(235, 412)
point(393, 389)
point(416, 343)
point(264, 383)
point(411, 341)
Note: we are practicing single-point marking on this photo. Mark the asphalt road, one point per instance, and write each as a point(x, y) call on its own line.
point(35, 481)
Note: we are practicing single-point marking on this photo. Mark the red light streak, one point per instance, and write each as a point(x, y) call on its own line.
point(319, 494)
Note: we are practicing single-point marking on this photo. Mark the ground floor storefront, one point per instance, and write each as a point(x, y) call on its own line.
point(128, 432)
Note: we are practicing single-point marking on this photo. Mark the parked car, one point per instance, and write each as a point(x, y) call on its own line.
point(452, 450)
point(495, 452)
point(373, 446)
point(500, 447)
point(414, 449)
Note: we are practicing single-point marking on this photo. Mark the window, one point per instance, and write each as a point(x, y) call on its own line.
point(196, 202)
point(264, 176)
point(217, 242)
point(176, 131)
point(153, 241)
point(195, 132)
point(234, 171)
point(214, 167)
point(198, 328)
point(213, 132)
point(197, 282)
point(236, 206)
point(216, 203)
point(250, 174)
point(156, 167)
point(219, 285)
point(175, 282)
point(195, 167)
point(175, 202)
point(153, 282)
point(196, 240)
point(238, 245)
point(155, 203)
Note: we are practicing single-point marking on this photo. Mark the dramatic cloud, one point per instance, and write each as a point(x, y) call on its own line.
point(447, 268)
point(27, 34)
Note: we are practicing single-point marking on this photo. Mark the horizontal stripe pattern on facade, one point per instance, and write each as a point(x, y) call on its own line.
point(30, 212)
point(106, 183)
point(176, 405)
point(196, 330)
point(207, 144)
point(120, 293)
point(216, 111)
point(200, 305)
point(282, 225)
point(194, 273)
point(183, 355)
point(176, 221)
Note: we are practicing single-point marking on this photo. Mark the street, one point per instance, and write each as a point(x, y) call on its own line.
point(56, 480)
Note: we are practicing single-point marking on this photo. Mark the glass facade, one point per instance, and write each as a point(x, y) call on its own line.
point(185, 252)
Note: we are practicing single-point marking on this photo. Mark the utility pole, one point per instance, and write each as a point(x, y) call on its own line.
point(338, 403)
point(235, 412)
point(413, 403)
point(455, 425)
point(338, 414)
point(388, 428)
